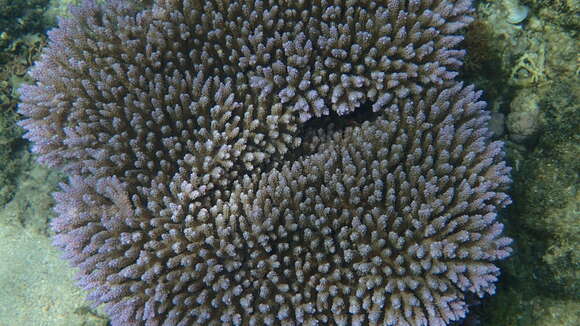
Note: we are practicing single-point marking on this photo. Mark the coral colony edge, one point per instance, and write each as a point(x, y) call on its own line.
point(199, 193)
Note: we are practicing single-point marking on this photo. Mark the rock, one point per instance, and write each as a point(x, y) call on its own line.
point(524, 119)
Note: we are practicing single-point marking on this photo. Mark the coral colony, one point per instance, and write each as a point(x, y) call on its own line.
point(199, 194)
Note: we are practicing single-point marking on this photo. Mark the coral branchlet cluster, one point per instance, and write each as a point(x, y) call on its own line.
point(199, 195)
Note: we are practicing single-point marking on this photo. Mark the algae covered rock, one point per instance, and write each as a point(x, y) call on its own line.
point(524, 120)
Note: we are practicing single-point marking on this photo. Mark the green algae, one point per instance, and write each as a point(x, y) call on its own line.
point(538, 60)
point(10, 156)
point(18, 18)
point(21, 43)
point(543, 274)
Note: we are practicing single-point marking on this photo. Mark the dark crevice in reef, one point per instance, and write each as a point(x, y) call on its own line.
point(320, 126)
point(328, 124)
point(339, 122)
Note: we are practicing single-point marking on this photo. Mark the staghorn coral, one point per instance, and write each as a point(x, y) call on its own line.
point(174, 120)
point(388, 223)
point(116, 107)
point(309, 57)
